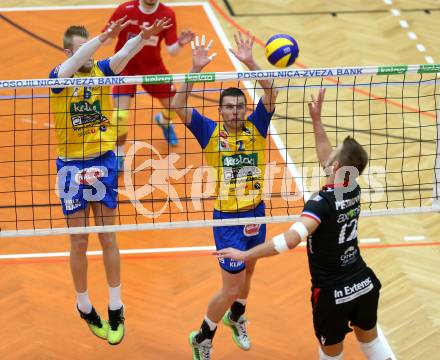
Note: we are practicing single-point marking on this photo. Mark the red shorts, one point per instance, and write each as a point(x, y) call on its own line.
point(159, 91)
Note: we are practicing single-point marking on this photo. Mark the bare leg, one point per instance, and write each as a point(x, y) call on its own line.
point(372, 346)
point(333, 350)
point(250, 268)
point(78, 250)
point(166, 104)
point(106, 216)
point(365, 336)
point(231, 290)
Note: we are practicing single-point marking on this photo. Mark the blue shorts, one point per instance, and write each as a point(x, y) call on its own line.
point(241, 237)
point(84, 181)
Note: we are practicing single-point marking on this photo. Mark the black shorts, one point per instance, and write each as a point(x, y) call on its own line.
point(353, 303)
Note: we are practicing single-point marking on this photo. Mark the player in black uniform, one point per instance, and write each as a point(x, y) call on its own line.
point(345, 292)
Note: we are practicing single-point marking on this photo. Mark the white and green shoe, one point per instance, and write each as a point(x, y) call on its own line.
point(116, 329)
point(201, 351)
point(239, 332)
point(96, 325)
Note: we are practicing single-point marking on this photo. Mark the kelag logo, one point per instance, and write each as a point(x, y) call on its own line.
point(200, 77)
point(429, 68)
point(392, 70)
point(240, 160)
point(157, 79)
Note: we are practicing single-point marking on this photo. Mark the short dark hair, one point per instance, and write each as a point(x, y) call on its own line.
point(232, 91)
point(74, 30)
point(353, 154)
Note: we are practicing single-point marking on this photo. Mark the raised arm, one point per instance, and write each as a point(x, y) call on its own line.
point(200, 59)
point(279, 244)
point(184, 38)
point(119, 60)
point(86, 51)
point(243, 52)
point(323, 145)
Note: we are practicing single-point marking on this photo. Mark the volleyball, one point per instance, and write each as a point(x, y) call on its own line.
point(281, 50)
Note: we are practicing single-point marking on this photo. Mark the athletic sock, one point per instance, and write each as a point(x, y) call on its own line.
point(237, 309)
point(375, 350)
point(115, 302)
point(83, 302)
point(207, 330)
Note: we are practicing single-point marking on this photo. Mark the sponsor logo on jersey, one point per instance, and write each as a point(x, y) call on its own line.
point(351, 214)
point(152, 41)
point(349, 256)
point(234, 264)
point(223, 145)
point(240, 160)
point(343, 204)
point(72, 204)
point(353, 291)
point(83, 113)
point(89, 176)
point(251, 229)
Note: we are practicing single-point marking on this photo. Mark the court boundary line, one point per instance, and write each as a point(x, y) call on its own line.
point(185, 250)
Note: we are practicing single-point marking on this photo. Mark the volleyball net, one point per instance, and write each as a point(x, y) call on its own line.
point(392, 111)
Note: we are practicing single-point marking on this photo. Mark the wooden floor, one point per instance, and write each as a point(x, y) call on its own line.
point(166, 294)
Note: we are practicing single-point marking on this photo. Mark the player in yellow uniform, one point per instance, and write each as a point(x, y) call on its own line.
point(235, 149)
point(87, 165)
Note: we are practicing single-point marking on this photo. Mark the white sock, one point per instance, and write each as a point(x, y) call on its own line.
point(120, 150)
point(83, 302)
point(242, 301)
point(323, 356)
point(114, 302)
point(212, 325)
point(375, 350)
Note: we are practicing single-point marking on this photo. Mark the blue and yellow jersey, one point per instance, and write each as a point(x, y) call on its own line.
point(83, 115)
point(238, 159)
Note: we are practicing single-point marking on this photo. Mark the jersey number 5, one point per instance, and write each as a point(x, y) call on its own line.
point(353, 233)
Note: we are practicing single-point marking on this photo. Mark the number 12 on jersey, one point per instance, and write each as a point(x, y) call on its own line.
point(346, 229)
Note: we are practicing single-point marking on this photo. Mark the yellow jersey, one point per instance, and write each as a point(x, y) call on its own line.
point(238, 159)
point(83, 115)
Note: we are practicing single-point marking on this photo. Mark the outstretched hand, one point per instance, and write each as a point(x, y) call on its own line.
point(243, 52)
point(200, 52)
point(158, 26)
point(185, 37)
point(315, 106)
point(114, 29)
point(230, 253)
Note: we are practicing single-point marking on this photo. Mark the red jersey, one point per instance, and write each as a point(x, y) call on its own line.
point(148, 59)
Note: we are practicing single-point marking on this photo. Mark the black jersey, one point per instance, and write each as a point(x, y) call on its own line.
point(333, 249)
